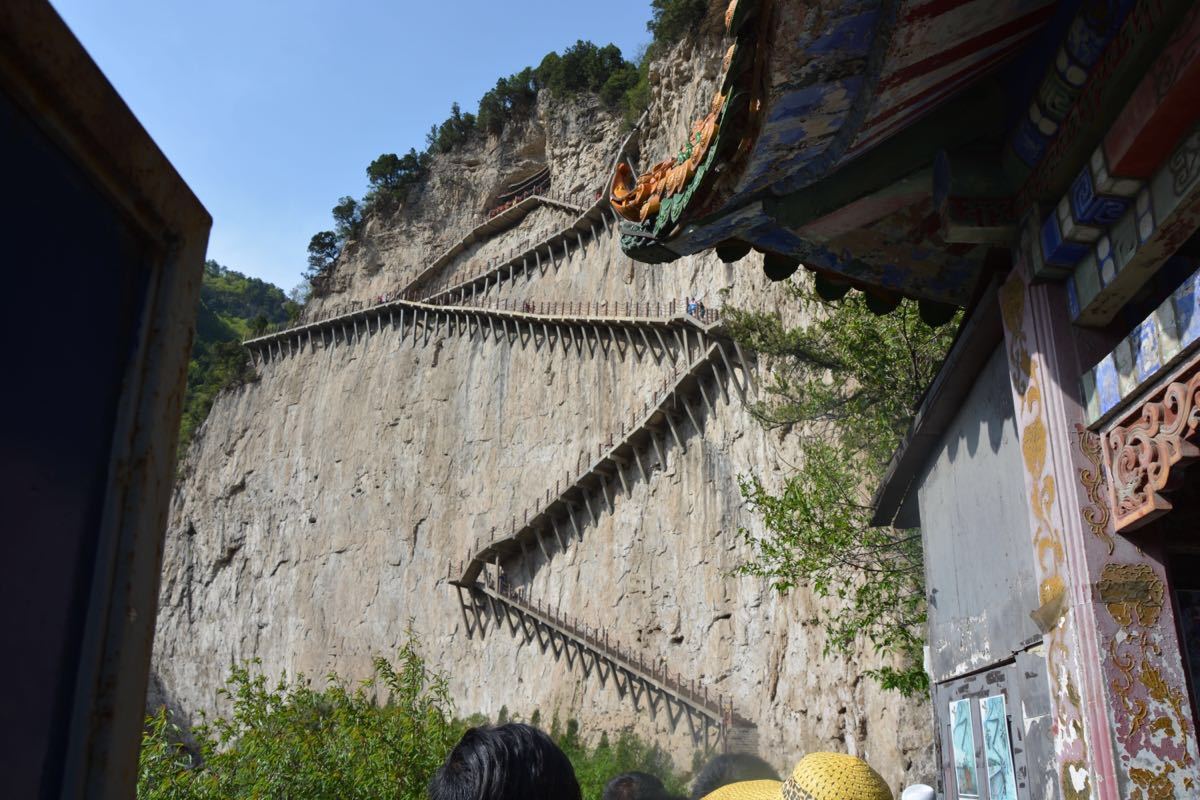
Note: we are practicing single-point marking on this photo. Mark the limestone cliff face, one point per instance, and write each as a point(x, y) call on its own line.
point(321, 505)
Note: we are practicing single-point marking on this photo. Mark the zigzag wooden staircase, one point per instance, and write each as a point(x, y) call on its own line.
point(640, 330)
point(711, 720)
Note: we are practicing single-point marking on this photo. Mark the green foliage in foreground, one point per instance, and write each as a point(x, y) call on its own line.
point(381, 739)
point(232, 307)
point(596, 766)
point(846, 384)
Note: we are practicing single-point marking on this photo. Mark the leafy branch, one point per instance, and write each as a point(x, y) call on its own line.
point(845, 384)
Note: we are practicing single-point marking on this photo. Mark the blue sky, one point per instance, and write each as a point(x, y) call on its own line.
point(272, 110)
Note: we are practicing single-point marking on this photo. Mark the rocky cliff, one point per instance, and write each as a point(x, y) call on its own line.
point(322, 505)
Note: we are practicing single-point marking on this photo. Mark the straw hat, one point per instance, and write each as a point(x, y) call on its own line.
point(818, 776)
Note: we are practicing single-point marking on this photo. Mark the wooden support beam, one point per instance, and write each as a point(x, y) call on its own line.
point(687, 407)
point(746, 370)
point(462, 604)
point(638, 459)
point(587, 503)
point(674, 432)
point(720, 383)
point(604, 493)
point(662, 459)
point(621, 473)
point(657, 358)
point(741, 390)
point(663, 344)
point(562, 547)
point(700, 385)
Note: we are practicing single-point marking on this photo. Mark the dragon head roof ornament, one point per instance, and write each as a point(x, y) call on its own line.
point(821, 144)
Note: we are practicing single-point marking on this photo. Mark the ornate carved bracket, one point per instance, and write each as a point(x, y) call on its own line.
point(1144, 452)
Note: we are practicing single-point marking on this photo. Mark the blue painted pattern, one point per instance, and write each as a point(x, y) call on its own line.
point(1153, 345)
point(1089, 207)
point(1057, 249)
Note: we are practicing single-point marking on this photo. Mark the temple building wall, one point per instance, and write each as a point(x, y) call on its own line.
point(979, 579)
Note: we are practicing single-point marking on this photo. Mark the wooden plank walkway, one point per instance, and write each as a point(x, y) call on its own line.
point(666, 418)
point(594, 213)
point(650, 686)
point(617, 329)
point(552, 251)
point(496, 225)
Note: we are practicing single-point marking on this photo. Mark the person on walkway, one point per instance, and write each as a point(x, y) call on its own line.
point(636, 786)
point(731, 768)
point(505, 762)
point(818, 776)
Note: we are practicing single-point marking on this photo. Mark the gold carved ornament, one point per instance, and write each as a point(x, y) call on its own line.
point(1140, 456)
point(1096, 513)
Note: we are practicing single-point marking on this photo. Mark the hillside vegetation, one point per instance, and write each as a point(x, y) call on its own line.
point(232, 307)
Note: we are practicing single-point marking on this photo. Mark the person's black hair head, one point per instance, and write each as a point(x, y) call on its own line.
point(636, 786)
point(731, 768)
point(505, 762)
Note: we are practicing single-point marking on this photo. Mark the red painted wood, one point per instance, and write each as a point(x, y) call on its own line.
point(966, 48)
point(1165, 106)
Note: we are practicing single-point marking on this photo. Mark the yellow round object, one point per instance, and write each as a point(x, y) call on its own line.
point(747, 790)
point(834, 776)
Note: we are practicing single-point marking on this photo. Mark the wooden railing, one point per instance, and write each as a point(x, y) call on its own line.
point(666, 412)
point(587, 317)
point(649, 684)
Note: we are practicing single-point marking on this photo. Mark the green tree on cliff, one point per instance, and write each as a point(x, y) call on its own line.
point(846, 384)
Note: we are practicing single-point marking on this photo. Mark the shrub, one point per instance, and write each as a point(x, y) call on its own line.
point(290, 740)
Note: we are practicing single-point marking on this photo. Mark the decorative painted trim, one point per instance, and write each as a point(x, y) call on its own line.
point(1022, 310)
point(1165, 213)
point(1086, 41)
point(654, 202)
point(1141, 452)
point(1145, 25)
point(1096, 515)
point(1154, 346)
point(1163, 107)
